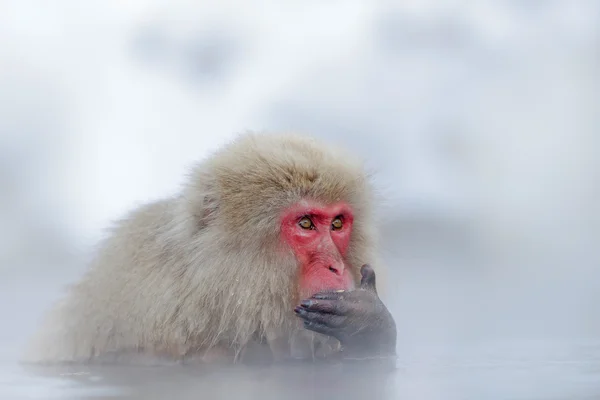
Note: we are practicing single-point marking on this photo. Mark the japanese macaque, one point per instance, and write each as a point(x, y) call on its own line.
point(264, 251)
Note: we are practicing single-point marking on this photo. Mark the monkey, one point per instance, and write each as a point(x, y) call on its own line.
point(265, 251)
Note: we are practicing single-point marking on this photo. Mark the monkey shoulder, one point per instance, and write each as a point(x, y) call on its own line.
point(142, 247)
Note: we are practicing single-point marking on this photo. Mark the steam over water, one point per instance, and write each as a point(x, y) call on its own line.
point(479, 122)
point(437, 360)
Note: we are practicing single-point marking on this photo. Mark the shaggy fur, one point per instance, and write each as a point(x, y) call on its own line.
point(205, 273)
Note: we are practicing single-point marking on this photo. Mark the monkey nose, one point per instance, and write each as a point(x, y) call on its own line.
point(335, 269)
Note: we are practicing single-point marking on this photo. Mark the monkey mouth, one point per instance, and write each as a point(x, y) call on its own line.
point(320, 288)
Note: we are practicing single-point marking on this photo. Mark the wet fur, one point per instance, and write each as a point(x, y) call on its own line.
point(206, 270)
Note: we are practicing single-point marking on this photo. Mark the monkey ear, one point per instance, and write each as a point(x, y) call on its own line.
point(208, 211)
point(367, 281)
point(201, 198)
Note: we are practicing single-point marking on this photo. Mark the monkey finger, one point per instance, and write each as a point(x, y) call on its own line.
point(330, 320)
point(320, 328)
point(367, 280)
point(326, 306)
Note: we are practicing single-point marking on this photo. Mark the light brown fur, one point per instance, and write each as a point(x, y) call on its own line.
point(205, 273)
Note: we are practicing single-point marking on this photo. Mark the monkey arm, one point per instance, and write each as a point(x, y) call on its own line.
point(357, 318)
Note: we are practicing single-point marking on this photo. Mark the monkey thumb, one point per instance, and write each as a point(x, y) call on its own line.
point(367, 280)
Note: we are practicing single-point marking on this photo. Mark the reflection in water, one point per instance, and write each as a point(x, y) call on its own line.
point(515, 370)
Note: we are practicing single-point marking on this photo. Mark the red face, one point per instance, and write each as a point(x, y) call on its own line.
point(319, 236)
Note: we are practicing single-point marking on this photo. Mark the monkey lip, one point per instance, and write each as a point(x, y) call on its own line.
point(329, 289)
point(342, 284)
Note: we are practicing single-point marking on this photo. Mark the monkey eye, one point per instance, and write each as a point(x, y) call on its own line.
point(306, 223)
point(337, 223)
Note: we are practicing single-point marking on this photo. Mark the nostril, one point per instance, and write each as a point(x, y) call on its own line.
point(332, 269)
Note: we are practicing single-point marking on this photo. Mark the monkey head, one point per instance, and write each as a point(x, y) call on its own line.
point(295, 209)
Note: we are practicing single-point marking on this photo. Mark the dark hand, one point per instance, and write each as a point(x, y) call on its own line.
point(357, 318)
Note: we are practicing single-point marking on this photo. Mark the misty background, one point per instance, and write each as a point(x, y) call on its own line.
point(479, 120)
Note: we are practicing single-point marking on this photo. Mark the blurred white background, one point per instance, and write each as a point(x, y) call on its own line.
point(480, 120)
